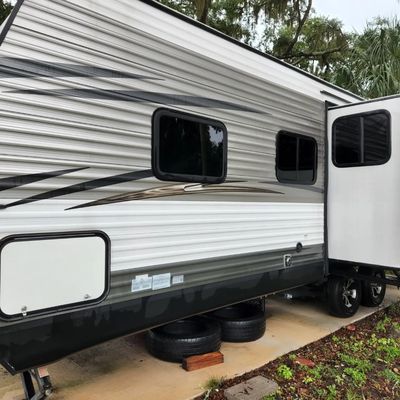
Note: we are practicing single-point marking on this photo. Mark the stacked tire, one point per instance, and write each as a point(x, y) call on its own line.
point(187, 337)
point(243, 322)
point(173, 342)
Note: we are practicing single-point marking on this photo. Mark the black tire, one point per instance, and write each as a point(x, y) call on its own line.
point(242, 322)
point(188, 337)
point(372, 293)
point(344, 296)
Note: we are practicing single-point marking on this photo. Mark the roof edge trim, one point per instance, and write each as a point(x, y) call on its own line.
point(10, 20)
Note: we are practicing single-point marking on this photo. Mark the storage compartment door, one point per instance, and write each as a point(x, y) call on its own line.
point(51, 272)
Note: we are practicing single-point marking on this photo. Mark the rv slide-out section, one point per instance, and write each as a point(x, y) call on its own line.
point(150, 169)
point(364, 183)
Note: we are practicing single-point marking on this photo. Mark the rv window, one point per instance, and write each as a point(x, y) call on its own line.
point(296, 158)
point(362, 139)
point(188, 148)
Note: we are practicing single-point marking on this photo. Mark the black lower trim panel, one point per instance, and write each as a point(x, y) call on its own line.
point(33, 343)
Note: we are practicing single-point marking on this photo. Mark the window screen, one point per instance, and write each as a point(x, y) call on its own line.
point(188, 148)
point(362, 139)
point(296, 158)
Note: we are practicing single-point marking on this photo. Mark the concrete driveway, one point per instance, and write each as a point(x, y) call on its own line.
point(122, 369)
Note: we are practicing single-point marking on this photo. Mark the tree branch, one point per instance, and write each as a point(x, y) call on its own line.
point(311, 54)
point(300, 25)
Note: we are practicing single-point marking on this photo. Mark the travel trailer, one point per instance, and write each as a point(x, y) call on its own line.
point(152, 168)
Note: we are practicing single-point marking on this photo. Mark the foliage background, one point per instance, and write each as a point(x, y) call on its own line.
point(368, 63)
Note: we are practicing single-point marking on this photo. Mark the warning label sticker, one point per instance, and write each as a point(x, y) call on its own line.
point(141, 282)
point(161, 281)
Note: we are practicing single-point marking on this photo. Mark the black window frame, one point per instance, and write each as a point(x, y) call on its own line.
point(362, 163)
point(315, 167)
point(175, 177)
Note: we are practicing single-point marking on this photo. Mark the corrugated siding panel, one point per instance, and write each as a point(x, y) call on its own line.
point(44, 133)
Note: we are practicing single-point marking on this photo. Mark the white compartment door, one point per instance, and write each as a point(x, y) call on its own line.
point(364, 183)
point(52, 272)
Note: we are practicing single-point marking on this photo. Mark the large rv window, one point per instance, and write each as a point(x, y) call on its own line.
point(362, 139)
point(296, 158)
point(188, 148)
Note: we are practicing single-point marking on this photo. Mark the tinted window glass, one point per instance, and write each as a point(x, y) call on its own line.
point(287, 157)
point(188, 148)
point(296, 158)
point(307, 154)
point(348, 140)
point(376, 138)
point(362, 139)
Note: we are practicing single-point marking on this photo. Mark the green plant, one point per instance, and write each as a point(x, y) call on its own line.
point(358, 377)
point(339, 379)
point(213, 384)
point(391, 376)
point(322, 393)
point(335, 339)
point(316, 372)
point(357, 363)
point(285, 372)
point(308, 379)
point(383, 323)
point(269, 397)
point(389, 349)
point(332, 392)
point(350, 395)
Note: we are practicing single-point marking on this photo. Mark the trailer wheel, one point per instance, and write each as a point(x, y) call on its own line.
point(373, 293)
point(241, 322)
point(188, 337)
point(344, 296)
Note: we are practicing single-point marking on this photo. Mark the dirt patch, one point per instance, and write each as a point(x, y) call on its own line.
point(358, 362)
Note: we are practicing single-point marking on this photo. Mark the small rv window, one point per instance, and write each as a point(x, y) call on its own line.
point(296, 158)
point(362, 139)
point(188, 148)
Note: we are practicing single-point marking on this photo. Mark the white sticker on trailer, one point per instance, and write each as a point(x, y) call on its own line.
point(141, 282)
point(161, 281)
point(178, 279)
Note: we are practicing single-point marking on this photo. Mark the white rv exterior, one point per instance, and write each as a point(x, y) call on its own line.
point(85, 220)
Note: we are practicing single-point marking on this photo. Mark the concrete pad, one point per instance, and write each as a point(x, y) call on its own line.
point(256, 388)
point(122, 369)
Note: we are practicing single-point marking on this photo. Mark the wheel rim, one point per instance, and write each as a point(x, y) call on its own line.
point(376, 288)
point(349, 293)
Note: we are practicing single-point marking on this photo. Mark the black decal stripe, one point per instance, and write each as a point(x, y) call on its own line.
point(294, 186)
point(80, 187)
point(20, 180)
point(175, 190)
point(138, 96)
point(11, 67)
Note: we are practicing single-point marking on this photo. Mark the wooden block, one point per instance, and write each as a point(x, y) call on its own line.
point(202, 361)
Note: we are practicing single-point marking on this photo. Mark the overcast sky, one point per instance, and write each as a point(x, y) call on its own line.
point(355, 13)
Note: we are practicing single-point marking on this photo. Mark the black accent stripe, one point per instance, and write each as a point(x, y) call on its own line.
point(32, 342)
point(11, 67)
point(21, 180)
point(80, 187)
point(310, 188)
point(10, 20)
point(138, 96)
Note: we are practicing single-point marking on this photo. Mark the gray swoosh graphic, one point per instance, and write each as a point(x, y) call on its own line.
point(138, 96)
point(11, 67)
